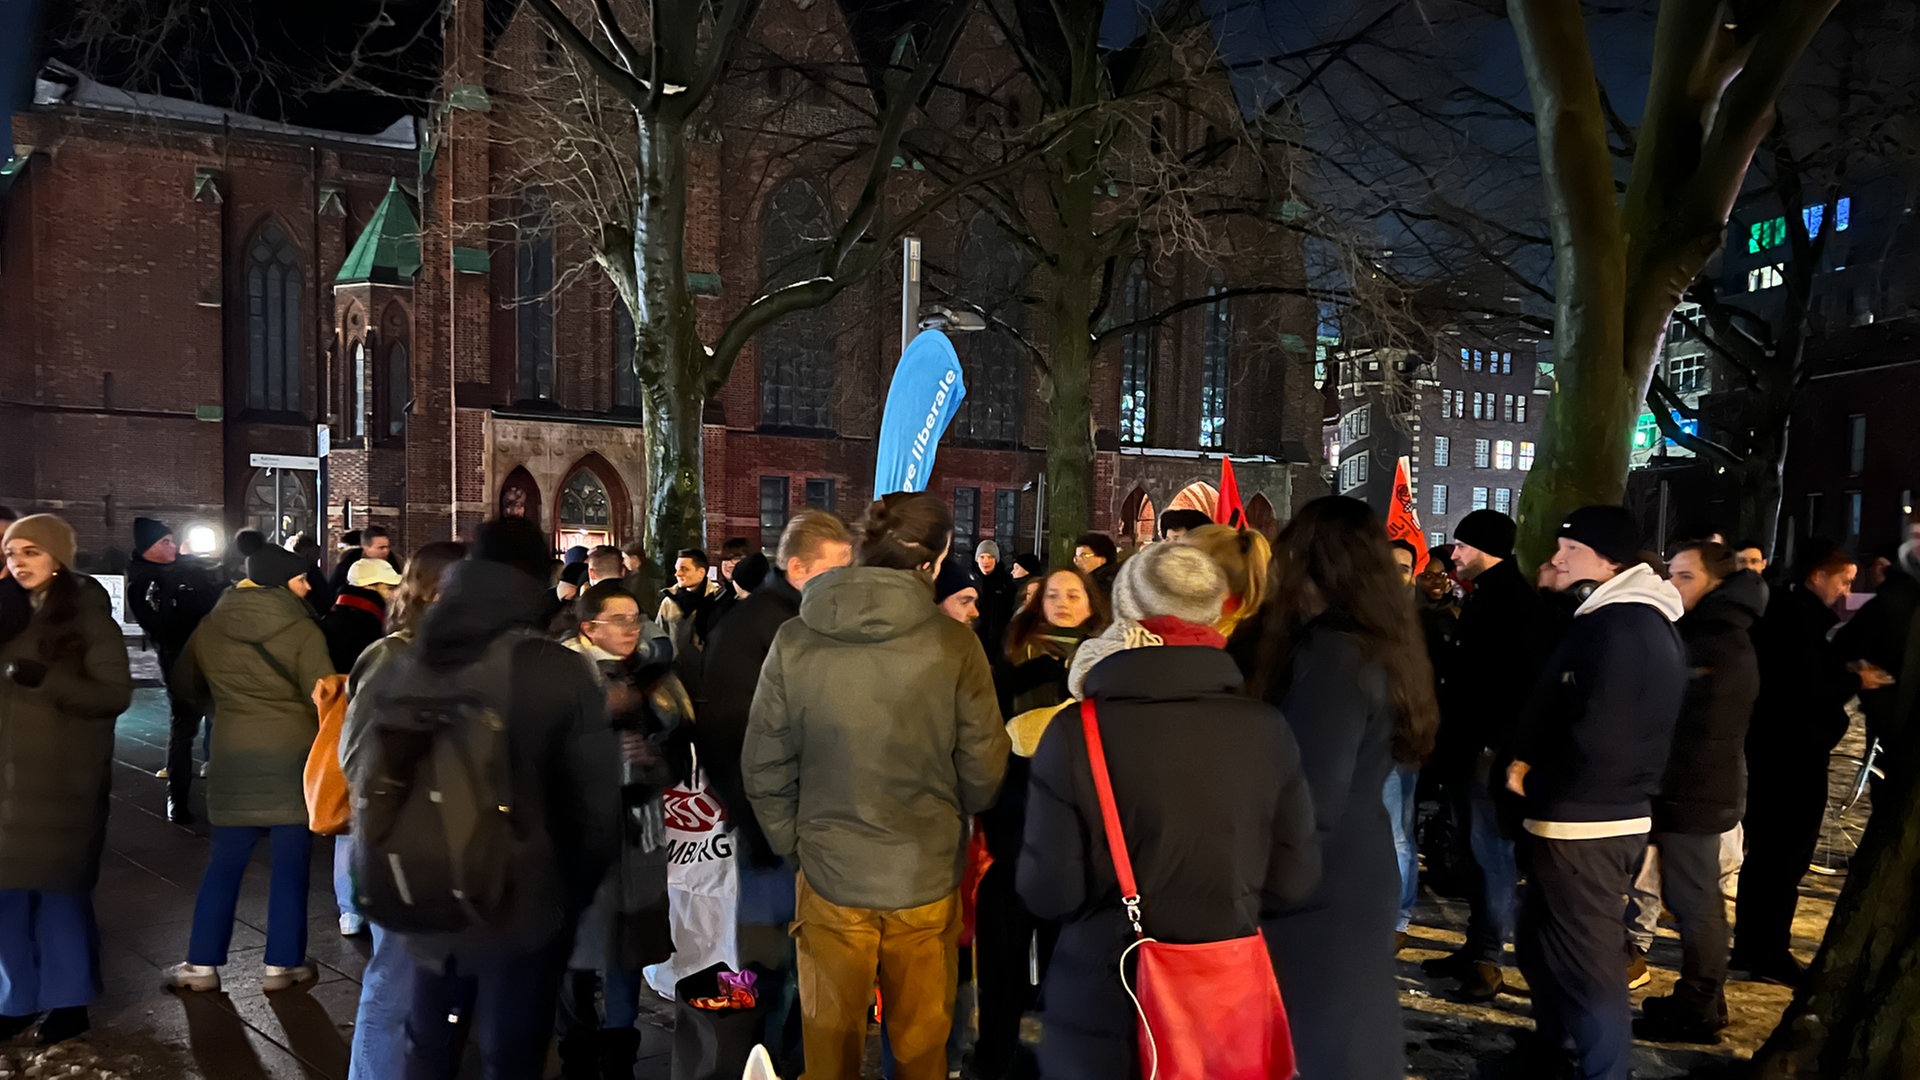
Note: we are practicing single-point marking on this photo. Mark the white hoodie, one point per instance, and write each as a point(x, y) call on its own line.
point(1637, 584)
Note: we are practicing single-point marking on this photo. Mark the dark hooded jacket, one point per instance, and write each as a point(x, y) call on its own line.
point(255, 660)
point(1704, 790)
point(735, 654)
point(1499, 646)
point(357, 619)
point(169, 599)
point(566, 756)
point(1804, 688)
point(874, 736)
point(1881, 633)
point(1188, 754)
point(56, 745)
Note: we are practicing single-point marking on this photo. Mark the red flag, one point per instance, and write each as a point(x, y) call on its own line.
point(1403, 521)
point(1228, 509)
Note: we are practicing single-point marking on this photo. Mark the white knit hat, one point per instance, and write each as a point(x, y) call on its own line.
point(1162, 580)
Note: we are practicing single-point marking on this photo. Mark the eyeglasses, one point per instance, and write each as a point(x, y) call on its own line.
point(623, 622)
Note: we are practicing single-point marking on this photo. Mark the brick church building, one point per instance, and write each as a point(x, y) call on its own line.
point(228, 322)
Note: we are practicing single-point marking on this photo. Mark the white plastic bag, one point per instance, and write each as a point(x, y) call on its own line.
point(703, 884)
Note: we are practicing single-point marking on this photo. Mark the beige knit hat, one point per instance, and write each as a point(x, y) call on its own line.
point(49, 533)
point(1165, 579)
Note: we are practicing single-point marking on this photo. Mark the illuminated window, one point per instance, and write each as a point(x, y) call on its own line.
point(1526, 456)
point(1503, 454)
point(1766, 277)
point(1482, 453)
point(1520, 409)
point(1503, 500)
point(1764, 235)
point(1479, 498)
point(1438, 505)
point(1442, 451)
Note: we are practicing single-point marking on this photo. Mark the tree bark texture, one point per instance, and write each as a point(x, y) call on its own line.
point(1857, 1017)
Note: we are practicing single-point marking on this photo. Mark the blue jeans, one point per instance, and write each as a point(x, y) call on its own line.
point(380, 1026)
point(343, 875)
point(511, 1001)
point(1491, 916)
point(232, 849)
point(1399, 797)
point(49, 951)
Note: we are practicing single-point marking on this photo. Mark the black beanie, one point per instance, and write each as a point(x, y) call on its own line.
point(574, 574)
point(1029, 562)
point(1608, 530)
point(516, 542)
point(148, 532)
point(749, 572)
point(1489, 530)
point(952, 578)
point(271, 567)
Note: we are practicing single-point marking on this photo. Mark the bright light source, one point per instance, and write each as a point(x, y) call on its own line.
point(202, 540)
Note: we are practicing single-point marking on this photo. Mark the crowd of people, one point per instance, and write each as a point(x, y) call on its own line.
point(893, 731)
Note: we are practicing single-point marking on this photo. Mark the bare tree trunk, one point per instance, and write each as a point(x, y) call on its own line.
point(669, 353)
point(1858, 1014)
point(1070, 368)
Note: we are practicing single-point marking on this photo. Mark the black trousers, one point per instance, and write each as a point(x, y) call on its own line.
point(1690, 885)
point(181, 731)
point(1572, 947)
point(1785, 804)
point(1003, 938)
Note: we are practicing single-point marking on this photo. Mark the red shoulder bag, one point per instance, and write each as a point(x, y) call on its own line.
point(1210, 1011)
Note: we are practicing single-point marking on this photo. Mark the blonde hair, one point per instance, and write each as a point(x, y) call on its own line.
point(1245, 557)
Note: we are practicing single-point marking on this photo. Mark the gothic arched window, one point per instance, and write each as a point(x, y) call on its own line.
point(583, 502)
point(796, 353)
point(1136, 356)
point(273, 321)
point(1215, 349)
point(533, 296)
point(991, 272)
point(398, 390)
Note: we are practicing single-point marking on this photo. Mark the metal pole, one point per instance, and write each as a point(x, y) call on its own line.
point(273, 534)
point(1660, 539)
point(909, 290)
point(1039, 513)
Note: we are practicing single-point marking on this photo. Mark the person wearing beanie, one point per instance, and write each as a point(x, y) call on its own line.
point(873, 738)
point(254, 661)
point(1344, 659)
point(956, 594)
point(1187, 750)
point(993, 580)
point(168, 594)
point(1588, 757)
point(1499, 645)
point(565, 761)
point(63, 680)
point(750, 573)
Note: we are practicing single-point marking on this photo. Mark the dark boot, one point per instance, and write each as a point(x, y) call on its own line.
point(1483, 983)
point(580, 1055)
point(1454, 965)
point(63, 1024)
point(619, 1051)
point(179, 785)
point(11, 1026)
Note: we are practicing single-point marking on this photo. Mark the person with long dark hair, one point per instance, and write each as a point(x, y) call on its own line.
point(1344, 659)
point(63, 680)
point(874, 736)
point(1041, 642)
point(386, 987)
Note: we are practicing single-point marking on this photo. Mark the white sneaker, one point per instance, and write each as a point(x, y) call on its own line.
point(203, 769)
point(163, 773)
point(193, 977)
point(285, 978)
point(352, 925)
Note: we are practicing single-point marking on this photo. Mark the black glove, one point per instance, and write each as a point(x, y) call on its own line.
point(28, 673)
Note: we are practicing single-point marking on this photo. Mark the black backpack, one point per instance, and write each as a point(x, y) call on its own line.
point(436, 839)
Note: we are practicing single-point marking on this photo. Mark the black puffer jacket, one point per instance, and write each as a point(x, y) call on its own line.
point(735, 654)
point(1219, 826)
point(169, 599)
point(1705, 787)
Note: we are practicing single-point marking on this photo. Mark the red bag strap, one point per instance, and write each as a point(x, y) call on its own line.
point(1110, 815)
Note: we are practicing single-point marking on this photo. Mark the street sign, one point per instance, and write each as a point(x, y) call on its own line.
point(323, 435)
point(282, 461)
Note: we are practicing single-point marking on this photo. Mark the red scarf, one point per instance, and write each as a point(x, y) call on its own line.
point(372, 607)
point(1172, 631)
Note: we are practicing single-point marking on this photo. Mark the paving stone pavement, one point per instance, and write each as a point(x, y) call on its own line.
point(148, 879)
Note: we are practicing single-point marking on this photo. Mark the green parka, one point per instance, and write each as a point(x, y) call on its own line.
point(254, 661)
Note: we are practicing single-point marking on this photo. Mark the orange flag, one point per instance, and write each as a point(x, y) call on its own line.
point(1403, 522)
point(1229, 510)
